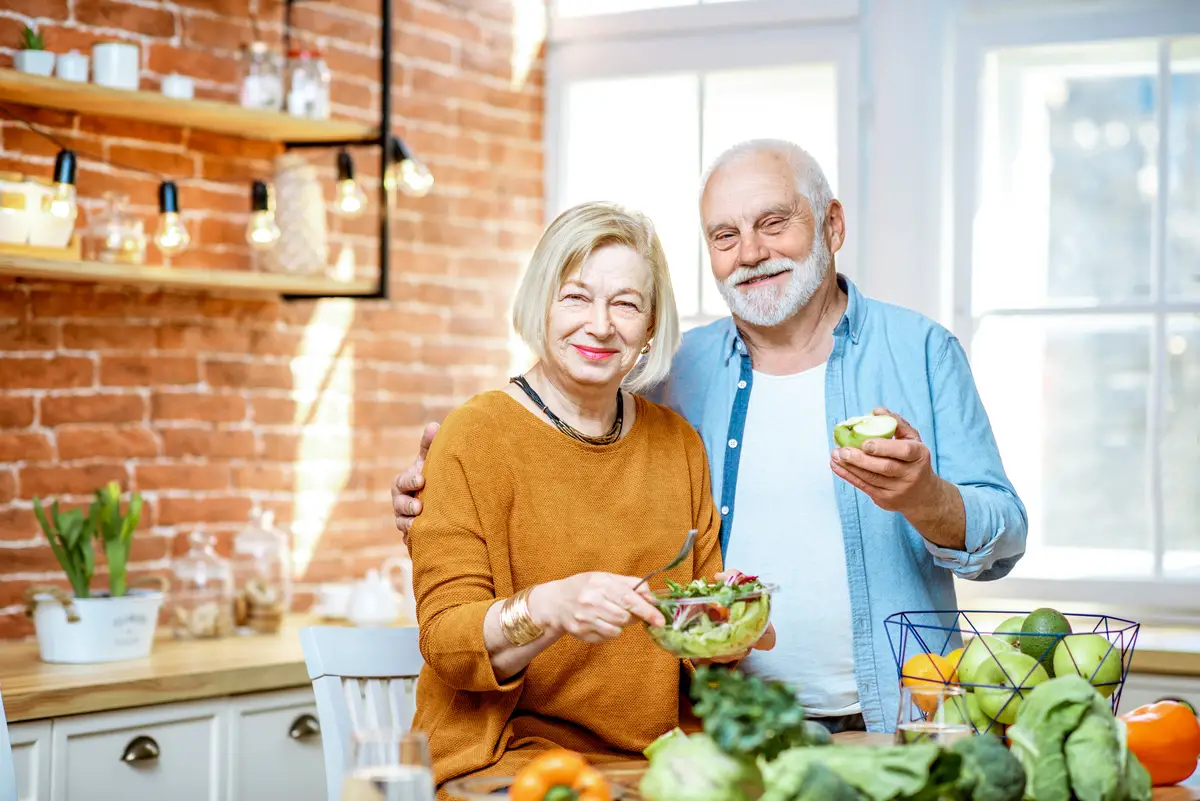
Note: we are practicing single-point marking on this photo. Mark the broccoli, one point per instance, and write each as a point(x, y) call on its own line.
point(989, 772)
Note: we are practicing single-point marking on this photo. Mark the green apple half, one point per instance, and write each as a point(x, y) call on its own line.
point(1012, 675)
point(852, 433)
point(979, 651)
point(1091, 656)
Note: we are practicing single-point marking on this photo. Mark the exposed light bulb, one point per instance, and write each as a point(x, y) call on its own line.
point(172, 237)
point(63, 202)
point(351, 200)
point(262, 232)
point(406, 172)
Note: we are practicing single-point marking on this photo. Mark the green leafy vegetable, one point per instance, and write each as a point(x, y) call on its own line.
point(747, 716)
point(989, 772)
point(695, 769)
point(880, 773)
point(815, 782)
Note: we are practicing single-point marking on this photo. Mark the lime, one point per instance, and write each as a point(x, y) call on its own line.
point(1041, 632)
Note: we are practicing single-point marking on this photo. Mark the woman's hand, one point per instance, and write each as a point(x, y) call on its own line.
point(592, 607)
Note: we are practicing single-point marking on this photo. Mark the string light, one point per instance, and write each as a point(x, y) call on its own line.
point(351, 200)
point(406, 172)
point(172, 237)
point(261, 232)
point(63, 203)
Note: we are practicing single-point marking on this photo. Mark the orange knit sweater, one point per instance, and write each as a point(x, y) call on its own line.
point(511, 502)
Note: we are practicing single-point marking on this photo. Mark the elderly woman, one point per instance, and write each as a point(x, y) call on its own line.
point(543, 505)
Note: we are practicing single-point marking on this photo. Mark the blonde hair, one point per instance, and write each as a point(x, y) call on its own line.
point(564, 246)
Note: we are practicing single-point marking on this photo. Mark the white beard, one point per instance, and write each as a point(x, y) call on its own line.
point(771, 305)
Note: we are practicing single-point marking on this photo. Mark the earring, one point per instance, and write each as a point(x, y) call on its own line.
point(646, 349)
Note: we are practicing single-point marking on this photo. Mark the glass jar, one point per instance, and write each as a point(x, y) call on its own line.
point(203, 591)
point(117, 236)
point(308, 84)
point(262, 78)
point(263, 570)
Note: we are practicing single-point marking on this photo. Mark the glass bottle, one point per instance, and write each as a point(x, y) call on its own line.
point(263, 569)
point(118, 236)
point(203, 591)
point(308, 84)
point(262, 78)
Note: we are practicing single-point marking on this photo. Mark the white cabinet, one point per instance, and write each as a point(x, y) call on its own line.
point(31, 758)
point(236, 748)
point(1142, 688)
point(279, 729)
point(145, 754)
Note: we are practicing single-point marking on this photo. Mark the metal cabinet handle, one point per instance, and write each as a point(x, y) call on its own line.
point(140, 749)
point(304, 727)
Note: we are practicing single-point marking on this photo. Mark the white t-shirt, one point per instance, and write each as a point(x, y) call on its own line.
point(787, 531)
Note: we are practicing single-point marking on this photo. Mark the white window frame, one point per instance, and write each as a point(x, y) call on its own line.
point(994, 27)
point(735, 35)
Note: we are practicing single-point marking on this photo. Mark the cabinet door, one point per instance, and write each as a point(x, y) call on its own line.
point(31, 759)
point(171, 751)
point(1143, 688)
point(275, 747)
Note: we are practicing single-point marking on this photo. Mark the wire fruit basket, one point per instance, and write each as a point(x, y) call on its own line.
point(998, 659)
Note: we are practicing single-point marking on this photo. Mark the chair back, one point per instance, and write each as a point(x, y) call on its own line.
point(362, 679)
point(8, 773)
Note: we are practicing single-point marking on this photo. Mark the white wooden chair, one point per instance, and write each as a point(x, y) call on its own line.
point(362, 679)
point(8, 775)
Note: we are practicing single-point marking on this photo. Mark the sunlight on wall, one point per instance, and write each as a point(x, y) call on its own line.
point(323, 387)
point(528, 33)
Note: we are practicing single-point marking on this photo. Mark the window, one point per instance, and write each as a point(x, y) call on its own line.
point(637, 123)
point(583, 8)
point(1082, 301)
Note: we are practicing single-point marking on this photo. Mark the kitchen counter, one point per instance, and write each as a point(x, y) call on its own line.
point(175, 671)
point(190, 670)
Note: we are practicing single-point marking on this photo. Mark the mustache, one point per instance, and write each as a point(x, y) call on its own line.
point(760, 270)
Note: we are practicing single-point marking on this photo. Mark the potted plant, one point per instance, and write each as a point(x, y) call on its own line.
point(86, 625)
point(33, 57)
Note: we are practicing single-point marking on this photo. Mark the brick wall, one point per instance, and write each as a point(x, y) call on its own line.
point(209, 404)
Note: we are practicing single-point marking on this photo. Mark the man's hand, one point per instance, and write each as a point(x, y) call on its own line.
point(897, 474)
point(405, 505)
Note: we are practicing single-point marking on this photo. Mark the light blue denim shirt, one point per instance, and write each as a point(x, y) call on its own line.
point(883, 355)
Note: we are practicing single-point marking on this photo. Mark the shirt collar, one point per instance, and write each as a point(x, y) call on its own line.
point(851, 322)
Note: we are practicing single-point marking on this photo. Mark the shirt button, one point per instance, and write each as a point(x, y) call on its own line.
point(733, 443)
point(741, 385)
point(724, 510)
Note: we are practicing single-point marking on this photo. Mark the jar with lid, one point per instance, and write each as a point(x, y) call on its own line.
point(263, 573)
point(308, 84)
point(117, 236)
point(262, 78)
point(202, 592)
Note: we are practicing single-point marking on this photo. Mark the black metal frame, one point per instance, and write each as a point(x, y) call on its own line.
point(382, 141)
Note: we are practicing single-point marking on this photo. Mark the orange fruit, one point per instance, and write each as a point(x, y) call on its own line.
point(927, 670)
point(953, 658)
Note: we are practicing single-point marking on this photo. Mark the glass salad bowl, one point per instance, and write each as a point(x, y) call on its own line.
point(712, 619)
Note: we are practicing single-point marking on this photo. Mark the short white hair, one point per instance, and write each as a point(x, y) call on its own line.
point(565, 245)
point(810, 178)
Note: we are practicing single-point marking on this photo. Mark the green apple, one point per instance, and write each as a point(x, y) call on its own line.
point(1010, 630)
point(963, 709)
point(1012, 676)
point(855, 431)
point(977, 651)
point(1091, 656)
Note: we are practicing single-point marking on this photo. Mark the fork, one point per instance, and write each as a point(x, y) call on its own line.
point(679, 557)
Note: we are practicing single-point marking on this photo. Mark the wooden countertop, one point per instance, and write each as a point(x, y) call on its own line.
point(190, 670)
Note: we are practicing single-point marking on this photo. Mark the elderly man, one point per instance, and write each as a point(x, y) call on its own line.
point(851, 535)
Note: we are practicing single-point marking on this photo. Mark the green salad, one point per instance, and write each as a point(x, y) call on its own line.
point(708, 619)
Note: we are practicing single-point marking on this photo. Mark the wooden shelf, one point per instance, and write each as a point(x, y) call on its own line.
point(236, 282)
point(208, 115)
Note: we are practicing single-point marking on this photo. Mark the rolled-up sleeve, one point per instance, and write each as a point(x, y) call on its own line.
point(968, 457)
point(453, 583)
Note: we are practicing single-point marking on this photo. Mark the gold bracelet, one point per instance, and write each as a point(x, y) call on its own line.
point(516, 621)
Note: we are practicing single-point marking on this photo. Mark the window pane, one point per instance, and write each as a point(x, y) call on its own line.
point(1067, 399)
point(1183, 207)
point(636, 141)
point(795, 102)
point(1181, 448)
point(1068, 175)
point(586, 8)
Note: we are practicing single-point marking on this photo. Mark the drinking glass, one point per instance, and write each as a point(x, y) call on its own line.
point(933, 713)
point(388, 765)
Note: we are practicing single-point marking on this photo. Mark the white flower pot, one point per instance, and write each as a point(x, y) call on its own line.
point(35, 62)
point(108, 629)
